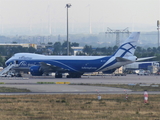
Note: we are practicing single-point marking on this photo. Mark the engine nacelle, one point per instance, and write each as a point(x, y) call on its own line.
point(36, 71)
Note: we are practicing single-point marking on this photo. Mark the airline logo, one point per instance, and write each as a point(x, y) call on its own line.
point(25, 64)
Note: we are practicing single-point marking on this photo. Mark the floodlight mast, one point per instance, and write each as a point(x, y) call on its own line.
point(158, 31)
point(67, 6)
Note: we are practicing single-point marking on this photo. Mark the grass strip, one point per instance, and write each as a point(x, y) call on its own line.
point(45, 82)
point(135, 87)
point(79, 107)
point(12, 90)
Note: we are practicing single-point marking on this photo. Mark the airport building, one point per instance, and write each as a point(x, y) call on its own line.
point(77, 49)
point(141, 65)
point(23, 45)
point(152, 66)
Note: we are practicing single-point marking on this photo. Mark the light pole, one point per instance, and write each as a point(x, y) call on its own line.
point(68, 6)
point(158, 31)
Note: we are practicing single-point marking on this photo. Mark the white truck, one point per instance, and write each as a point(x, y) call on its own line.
point(143, 72)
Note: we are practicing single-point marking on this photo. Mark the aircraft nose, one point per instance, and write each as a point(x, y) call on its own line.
point(7, 62)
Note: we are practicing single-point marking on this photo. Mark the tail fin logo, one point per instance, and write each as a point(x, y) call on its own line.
point(128, 47)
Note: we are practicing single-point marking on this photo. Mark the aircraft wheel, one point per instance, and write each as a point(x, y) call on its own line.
point(74, 76)
point(58, 76)
point(68, 76)
point(18, 75)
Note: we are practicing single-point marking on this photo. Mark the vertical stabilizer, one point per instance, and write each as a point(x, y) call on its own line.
point(128, 47)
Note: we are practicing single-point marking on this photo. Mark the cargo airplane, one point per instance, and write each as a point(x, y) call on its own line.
point(76, 66)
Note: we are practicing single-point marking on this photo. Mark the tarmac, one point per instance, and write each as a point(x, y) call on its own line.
point(31, 84)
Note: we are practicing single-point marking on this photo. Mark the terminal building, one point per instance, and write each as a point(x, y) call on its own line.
point(23, 45)
point(141, 65)
point(77, 49)
point(152, 66)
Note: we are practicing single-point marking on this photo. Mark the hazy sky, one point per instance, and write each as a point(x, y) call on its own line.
point(138, 15)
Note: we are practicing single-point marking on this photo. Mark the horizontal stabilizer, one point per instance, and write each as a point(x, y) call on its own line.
point(120, 59)
point(146, 58)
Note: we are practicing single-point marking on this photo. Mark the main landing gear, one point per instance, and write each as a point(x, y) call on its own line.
point(71, 75)
point(58, 75)
point(74, 75)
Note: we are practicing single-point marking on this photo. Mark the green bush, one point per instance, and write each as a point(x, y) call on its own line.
point(45, 82)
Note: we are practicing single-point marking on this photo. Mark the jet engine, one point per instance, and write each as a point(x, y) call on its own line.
point(36, 71)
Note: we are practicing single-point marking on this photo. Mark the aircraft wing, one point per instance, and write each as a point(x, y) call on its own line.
point(146, 58)
point(50, 68)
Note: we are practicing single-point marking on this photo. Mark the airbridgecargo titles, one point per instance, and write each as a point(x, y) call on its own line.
point(94, 68)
